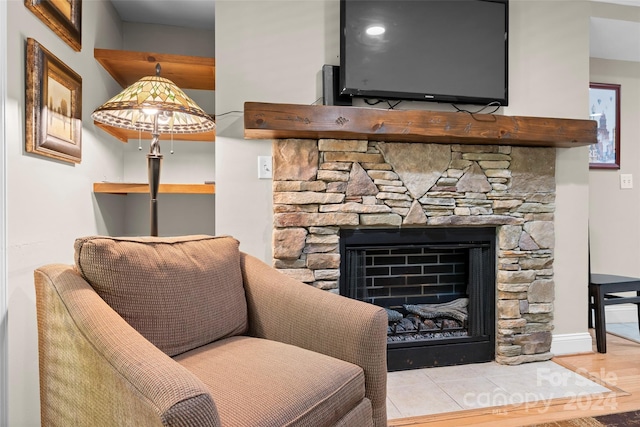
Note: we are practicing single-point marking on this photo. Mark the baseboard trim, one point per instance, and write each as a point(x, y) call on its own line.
point(624, 313)
point(571, 343)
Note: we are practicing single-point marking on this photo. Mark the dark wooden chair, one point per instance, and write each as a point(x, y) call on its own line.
point(602, 290)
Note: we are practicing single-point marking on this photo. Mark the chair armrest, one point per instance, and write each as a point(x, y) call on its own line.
point(95, 369)
point(284, 309)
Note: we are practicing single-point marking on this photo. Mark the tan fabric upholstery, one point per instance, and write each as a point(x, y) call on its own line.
point(179, 293)
point(339, 327)
point(309, 358)
point(95, 370)
point(280, 376)
point(358, 416)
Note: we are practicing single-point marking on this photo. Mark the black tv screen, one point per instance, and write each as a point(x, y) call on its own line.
point(430, 50)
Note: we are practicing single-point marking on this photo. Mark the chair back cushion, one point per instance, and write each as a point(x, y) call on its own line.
point(178, 292)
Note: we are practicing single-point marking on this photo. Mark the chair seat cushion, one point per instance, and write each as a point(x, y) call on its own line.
point(178, 292)
point(294, 386)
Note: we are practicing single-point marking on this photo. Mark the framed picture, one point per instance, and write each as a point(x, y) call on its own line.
point(62, 16)
point(53, 106)
point(604, 108)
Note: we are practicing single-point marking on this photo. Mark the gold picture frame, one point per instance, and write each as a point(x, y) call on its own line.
point(62, 16)
point(53, 106)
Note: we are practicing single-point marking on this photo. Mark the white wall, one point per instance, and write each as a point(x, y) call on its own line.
point(141, 37)
point(273, 51)
point(549, 76)
point(50, 203)
point(613, 212)
point(4, 345)
point(614, 225)
point(268, 51)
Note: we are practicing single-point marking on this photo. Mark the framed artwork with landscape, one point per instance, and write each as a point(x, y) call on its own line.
point(53, 106)
point(604, 108)
point(62, 16)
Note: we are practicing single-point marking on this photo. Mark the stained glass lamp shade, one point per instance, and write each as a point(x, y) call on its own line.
point(156, 105)
point(137, 106)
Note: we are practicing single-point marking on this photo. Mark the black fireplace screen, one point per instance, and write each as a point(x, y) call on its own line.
point(437, 286)
point(408, 274)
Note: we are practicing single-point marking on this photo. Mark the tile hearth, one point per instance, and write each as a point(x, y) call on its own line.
point(431, 391)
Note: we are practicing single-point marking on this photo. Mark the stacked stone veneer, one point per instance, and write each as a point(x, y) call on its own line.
point(321, 186)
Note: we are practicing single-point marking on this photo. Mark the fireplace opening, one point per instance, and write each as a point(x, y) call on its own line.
point(437, 286)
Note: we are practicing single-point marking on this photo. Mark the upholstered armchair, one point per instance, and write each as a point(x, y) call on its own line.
point(190, 331)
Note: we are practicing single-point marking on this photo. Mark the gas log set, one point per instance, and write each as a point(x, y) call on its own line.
point(428, 321)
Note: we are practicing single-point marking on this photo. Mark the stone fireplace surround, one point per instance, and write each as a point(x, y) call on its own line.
point(352, 167)
point(322, 185)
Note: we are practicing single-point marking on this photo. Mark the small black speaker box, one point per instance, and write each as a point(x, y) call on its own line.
point(331, 87)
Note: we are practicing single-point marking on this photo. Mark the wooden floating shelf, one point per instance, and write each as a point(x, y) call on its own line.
point(125, 135)
point(187, 72)
point(283, 121)
point(135, 188)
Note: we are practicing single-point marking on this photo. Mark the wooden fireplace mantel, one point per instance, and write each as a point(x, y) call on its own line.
point(284, 121)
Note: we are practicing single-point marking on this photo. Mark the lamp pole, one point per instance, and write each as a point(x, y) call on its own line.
point(154, 160)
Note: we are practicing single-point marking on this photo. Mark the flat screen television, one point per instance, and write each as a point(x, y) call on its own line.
point(453, 51)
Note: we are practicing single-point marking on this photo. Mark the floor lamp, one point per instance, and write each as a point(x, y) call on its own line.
point(156, 105)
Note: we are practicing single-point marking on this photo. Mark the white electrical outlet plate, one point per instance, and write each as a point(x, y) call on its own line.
point(626, 181)
point(265, 167)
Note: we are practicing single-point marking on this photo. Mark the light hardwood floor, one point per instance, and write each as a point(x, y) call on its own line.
point(618, 369)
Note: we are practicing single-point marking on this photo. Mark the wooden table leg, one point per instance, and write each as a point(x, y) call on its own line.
point(601, 332)
point(590, 305)
point(638, 307)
